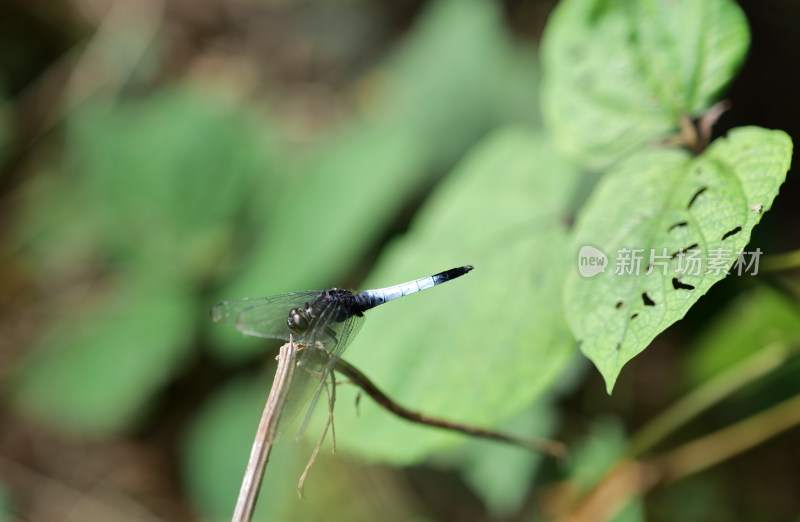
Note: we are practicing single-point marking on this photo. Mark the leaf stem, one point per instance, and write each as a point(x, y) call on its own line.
point(551, 447)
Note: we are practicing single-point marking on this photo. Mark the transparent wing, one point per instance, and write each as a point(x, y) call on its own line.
point(262, 316)
point(266, 317)
point(335, 338)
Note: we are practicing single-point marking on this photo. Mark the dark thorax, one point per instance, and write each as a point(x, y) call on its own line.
point(334, 305)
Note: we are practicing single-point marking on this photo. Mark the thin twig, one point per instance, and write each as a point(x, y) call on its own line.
point(265, 435)
point(551, 447)
point(331, 395)
point(707, 122)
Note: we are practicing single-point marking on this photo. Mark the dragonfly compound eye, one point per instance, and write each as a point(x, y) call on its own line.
point(297, 321)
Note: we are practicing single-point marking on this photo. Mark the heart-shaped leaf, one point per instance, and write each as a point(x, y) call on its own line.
point(673, 225)
point(620, 74)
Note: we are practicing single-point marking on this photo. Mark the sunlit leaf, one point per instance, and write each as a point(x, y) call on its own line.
point(670, 226)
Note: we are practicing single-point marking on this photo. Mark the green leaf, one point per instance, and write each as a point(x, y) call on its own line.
point(656, 204)
point(481, 348)
point(95, 370)
point(618, 75)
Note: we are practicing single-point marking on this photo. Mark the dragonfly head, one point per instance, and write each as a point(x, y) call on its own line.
point(298, 321)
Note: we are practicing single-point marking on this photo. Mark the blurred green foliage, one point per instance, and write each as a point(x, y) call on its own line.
point(502, 473)
point(602, 449)
point(454, 77)
point(165, 179)
point(757, 319)
point(95, 371)
point(152, 191)
point(216, 451)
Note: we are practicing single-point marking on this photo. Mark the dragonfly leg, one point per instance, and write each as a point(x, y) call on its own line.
point(331, 396)
point(315, 363)
point(329, 331)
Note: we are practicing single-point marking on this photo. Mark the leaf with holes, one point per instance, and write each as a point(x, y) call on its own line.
point(671, 226)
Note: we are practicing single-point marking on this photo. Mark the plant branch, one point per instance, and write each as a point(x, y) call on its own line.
point(551, 447)
point(265, 435)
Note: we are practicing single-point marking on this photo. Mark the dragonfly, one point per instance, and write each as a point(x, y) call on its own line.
point(316, 318)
